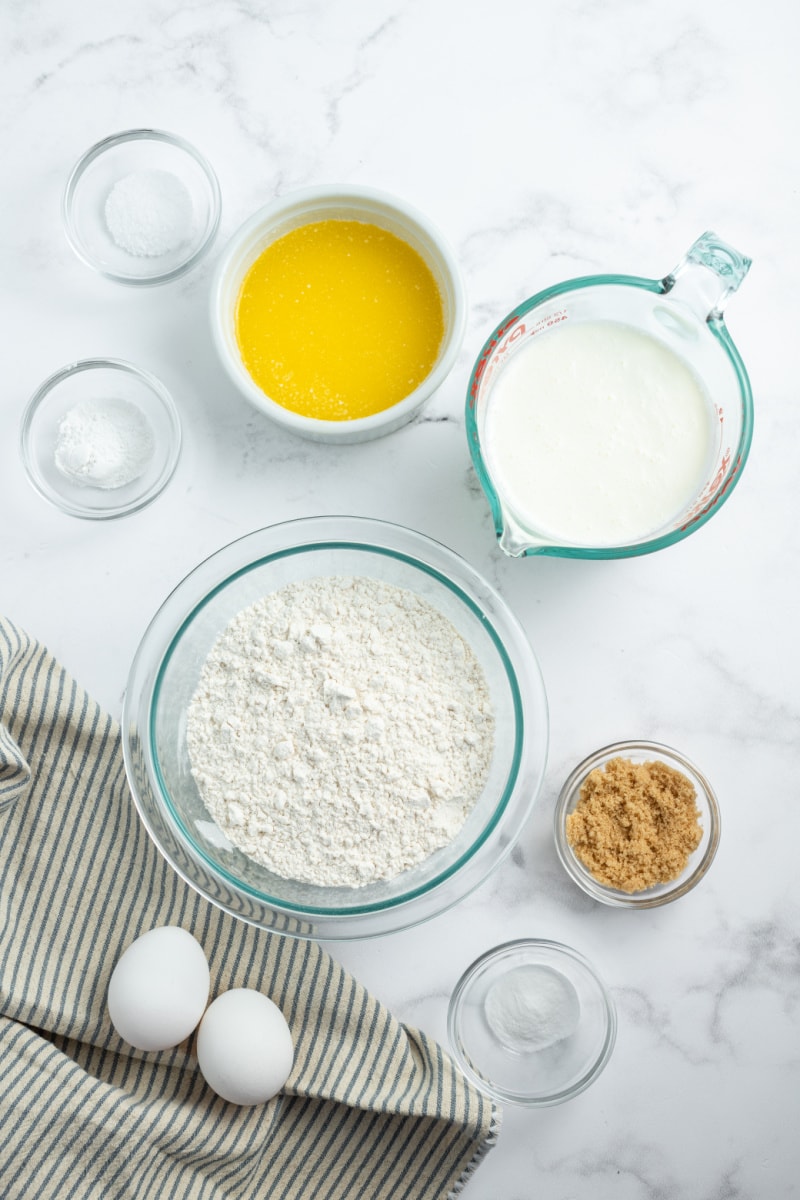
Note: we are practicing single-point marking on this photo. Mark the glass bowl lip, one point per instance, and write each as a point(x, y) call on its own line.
point(648, 898)
point(117, 139)
point(331, 195)
point(716, 325)
point(505, 950)
point(151, 382)
point(523, 684)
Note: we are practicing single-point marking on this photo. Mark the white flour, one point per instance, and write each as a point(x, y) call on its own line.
point(341, 731)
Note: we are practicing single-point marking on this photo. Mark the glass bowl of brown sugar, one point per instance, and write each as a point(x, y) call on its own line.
point(636, 825)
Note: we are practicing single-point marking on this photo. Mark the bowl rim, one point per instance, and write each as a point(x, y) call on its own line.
point(117, 139)
point(530, 748)
point(648, 898)
point(507, 949)
point(45, 389)
point(331, 195)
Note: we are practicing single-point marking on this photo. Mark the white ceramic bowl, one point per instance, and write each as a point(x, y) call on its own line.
point(343, 202)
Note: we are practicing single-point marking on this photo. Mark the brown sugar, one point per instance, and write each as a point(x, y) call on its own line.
point(635, 824)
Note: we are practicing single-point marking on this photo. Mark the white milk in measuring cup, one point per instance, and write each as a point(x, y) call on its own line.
point(597, 434)
point(611, 415)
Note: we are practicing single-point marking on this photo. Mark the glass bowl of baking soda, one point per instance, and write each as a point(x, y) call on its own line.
point(532, 1023)
point(141, 207)
point(100, 438)
point(334, 728)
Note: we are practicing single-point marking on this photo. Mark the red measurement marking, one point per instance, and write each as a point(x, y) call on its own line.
point(484, 359)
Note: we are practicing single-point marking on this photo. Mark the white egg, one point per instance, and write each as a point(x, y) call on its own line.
point(244, 1047)
point(159, 989)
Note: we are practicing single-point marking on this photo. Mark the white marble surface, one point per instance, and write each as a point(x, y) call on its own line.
point(547, 140)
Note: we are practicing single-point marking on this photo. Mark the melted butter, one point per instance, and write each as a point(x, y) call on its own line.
point(339, 320)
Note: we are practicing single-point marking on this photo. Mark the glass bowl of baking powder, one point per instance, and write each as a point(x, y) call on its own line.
point(100, 438)
point(370, 793)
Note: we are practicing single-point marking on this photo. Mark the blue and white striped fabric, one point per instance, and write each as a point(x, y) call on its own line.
point(372, 1109)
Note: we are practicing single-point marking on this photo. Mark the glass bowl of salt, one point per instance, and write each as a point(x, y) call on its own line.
point(141, 207)
point(532, 1023)
point(100, 438)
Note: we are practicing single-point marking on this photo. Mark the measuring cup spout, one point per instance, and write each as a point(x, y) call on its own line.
point(516, 541)
point(511, 545)
point(709, 272)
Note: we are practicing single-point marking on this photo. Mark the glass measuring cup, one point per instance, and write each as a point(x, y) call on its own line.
point(683, 312)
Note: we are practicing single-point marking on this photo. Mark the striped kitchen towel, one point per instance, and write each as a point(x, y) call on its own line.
point(372, 1108)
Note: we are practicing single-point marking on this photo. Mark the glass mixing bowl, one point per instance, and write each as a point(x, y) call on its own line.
point(683, 312)
point(165, 672)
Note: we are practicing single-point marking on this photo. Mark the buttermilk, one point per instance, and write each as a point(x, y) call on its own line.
point(597, 434)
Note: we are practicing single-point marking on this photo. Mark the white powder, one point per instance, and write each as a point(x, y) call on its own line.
point(341, 731)
point(532, 1007)
point(149, 213)
point(103, 443)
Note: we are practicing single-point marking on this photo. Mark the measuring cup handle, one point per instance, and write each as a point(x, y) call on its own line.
point(709, 272)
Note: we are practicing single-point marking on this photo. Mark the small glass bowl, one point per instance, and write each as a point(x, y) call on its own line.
point(699, 861)
point(103, 165)
point(98, 379)
point(531, 1078)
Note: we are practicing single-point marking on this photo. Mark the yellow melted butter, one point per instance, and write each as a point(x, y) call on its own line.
point(339, 319)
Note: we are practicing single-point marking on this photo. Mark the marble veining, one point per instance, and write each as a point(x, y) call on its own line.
point(546, 141)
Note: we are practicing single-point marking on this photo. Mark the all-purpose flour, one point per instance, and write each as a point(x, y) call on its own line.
point(341, 731)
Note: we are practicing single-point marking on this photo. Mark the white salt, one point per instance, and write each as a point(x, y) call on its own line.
point(149, 213)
